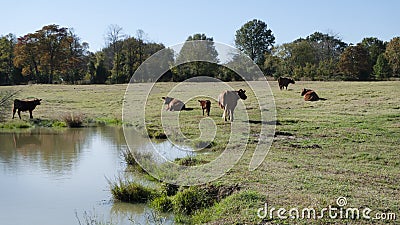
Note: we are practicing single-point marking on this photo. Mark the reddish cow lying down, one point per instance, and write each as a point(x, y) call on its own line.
point(205, 105)
point(227, 100)
point(25, 105)
point(173, 104)
point(310, 95)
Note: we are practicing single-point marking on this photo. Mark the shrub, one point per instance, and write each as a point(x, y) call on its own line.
point(73, 120)
point(128, 157)
point(132, 192)
point(191, 199)
point(162, 203)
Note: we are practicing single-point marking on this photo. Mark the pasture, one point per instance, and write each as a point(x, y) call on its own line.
point(346, 146)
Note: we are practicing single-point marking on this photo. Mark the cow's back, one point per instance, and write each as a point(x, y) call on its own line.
point(176, 105)
point(24, 105)
point(311, 96)
point(228, 98)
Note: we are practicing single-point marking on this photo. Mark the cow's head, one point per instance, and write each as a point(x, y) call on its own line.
point(242, 94)
point(304, 91)
point(291, 81)
point(202, 103)
point(167, 100)
point(37, 101)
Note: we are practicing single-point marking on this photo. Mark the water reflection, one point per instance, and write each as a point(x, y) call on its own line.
point(47, 175)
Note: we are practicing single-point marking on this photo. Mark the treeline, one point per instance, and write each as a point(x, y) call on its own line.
point(56, 54)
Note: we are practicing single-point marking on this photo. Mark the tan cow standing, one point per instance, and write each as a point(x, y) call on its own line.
point(227, 100)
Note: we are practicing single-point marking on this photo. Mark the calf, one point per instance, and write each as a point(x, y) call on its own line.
point(25, 105)
point(173, 104)
point(310, 95)
point(284, 82)
point(227, 100)
point(205, 105)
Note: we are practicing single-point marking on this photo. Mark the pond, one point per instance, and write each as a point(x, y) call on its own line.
point(57, 176)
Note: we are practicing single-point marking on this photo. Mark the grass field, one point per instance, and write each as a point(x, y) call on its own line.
point(346, 146)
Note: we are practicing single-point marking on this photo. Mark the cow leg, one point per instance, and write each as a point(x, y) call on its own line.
point(231, 115)
point(14, 111)
point(224, 115)
point(30, 114)
point(203, 112)
point(19, 113)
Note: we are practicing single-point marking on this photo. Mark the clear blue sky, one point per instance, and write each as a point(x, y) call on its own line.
point(171, 22)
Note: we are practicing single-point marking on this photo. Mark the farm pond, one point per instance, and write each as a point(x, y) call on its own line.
point(62, 177)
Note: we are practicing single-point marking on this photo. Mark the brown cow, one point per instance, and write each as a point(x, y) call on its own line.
point(284, 82)
point(205, 105)
point(227, 100)
point(173, 104)
point(25, 105)
point(310, 95)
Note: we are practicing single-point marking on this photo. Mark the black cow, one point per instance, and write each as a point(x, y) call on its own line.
point(25, 105)
point(284, 82)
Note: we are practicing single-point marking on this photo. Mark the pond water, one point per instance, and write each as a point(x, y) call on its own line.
point(55, 177)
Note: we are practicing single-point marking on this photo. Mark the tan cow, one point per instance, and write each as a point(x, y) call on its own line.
point(227, 100)
point(173, 104)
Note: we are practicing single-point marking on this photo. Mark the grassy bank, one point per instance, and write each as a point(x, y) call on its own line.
point(94, 104)
point(346, 146)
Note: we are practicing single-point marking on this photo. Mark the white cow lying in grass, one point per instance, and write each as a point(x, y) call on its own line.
point(227, 100)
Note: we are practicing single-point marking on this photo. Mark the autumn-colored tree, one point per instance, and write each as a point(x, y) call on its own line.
point(392, 54)
point(47, 52)
point(354, 63)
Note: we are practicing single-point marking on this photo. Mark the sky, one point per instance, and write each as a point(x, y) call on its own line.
point(171, 22)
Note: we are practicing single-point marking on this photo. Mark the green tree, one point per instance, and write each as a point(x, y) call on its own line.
point(392, 54)
point(7, 69)
point(114, 37)
point(190, 58)
point(255, 39)
point(381, 68)
point(374, 46)
point(354, 63)
point(326, 46)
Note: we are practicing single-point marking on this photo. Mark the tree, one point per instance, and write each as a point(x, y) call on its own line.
point(7, 69)
point(255, 39)
point(326, 46)
point(114, 41)
point(49, 52)
point(381, 68)
point(354, 63)
point(392, 54)
point(197, 47)
point(374, 46)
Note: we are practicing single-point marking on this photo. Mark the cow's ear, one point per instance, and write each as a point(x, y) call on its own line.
point(244, 91)
point(40, 100)
point(163, 97)
point(199, 100)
